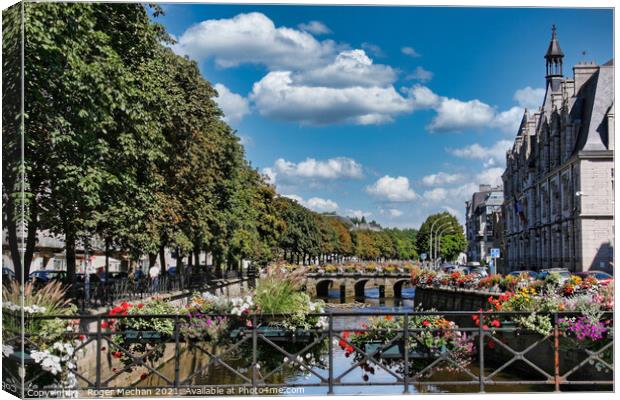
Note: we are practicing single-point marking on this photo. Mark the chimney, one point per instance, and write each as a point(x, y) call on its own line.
point(582, 72)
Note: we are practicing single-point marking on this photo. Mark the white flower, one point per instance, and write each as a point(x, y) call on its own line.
point(308, 355)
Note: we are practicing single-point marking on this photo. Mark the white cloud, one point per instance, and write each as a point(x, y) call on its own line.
point(350, 68)
point(391, 212)
point(508, 121)
point(454, 115)
point(373, 49)
point(454, 211)
point(315, 27)
point(441, 178)
point(437, 194)
point(253, 38)
point(420, 74)
point(409, 51)
point(277, 96)
point(312, 169)
point(270, 175)
point(493, 155)
point(315, 203)
point(357, 213)
point(422, 97)
point(530, 98)
point(235, 106)
point(392, 189)
point(491, 176)
point(322, 205)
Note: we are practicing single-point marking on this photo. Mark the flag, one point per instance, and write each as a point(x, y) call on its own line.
point(519, 210)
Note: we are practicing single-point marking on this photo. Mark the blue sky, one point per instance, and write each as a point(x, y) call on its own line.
point(389, 112)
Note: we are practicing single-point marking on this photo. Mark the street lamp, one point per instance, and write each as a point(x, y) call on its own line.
point(449, 229)
point(430, 241)
point(434, 255)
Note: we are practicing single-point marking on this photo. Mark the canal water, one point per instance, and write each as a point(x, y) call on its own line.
point(194, 362)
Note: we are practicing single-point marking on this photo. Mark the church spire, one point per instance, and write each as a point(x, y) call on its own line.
point(554, 55)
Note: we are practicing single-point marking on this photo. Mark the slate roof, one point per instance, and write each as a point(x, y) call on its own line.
point(594, 101)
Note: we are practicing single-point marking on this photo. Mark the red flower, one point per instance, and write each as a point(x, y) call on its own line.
point(342, 344)
point(359, 332)
point(117, 354)
point(389, 317)
point(485, 327)
point(491, 344)
point(426, 322)
point(496, 323)
point(140, 305)
point(104, 325)
point(82, 338)
point(349, 349)
point(345, 334)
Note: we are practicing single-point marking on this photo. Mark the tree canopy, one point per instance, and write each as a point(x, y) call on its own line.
point(125, 145)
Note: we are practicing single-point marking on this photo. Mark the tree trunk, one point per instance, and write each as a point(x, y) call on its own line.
point(197, 255)
point(162, 259)
point(70, 256)
point(180, 267)
point(152, 259)
point(107, 260)
point(14, 242)
point(31, 240)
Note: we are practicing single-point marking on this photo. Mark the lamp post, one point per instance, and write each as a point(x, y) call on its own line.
point(430, 241)
point(449, 229)
point(434, 255)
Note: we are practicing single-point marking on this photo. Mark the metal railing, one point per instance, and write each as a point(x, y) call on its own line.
point(101, 294)
point(256, 342)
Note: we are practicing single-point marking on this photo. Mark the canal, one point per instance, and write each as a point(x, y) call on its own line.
point(195, 369)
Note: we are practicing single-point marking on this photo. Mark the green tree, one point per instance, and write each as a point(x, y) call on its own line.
point(452, 241)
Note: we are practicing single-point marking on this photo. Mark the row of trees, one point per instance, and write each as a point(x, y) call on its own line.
point(123, 142)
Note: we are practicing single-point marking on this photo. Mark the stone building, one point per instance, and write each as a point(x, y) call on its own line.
point(559, 177)
point(484, 203)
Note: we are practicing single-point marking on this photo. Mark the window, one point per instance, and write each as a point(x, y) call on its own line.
point(544, 201)
point(566, 192)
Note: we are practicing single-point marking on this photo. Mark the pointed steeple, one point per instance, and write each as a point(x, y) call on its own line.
point(554, 55)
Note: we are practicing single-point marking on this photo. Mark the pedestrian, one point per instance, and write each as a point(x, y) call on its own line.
point(154, 274)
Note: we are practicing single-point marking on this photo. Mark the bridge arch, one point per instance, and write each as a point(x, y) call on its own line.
point(359, 288)
point(398, 287)
point(322, 288)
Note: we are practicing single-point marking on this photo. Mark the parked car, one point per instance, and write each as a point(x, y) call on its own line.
point(7, 275)
point(480, 271)
point(531, 274)
point(562, 272)
point(603, 277)
point(44, 276)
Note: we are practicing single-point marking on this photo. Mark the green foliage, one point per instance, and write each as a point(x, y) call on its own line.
point(452, 241)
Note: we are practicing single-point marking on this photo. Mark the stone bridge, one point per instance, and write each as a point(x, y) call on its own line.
point(353, 285)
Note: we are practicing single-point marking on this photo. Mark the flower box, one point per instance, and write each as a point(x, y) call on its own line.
point(133, 336)
point(397, 350)
point(275, 334)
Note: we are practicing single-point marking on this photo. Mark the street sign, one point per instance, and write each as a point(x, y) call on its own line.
point(423, 256)
point(495, 252)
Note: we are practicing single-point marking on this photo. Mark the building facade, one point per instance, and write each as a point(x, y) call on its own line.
point(479, 223)
point(559, 177)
